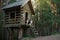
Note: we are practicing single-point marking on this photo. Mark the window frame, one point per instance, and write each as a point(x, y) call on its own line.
point(14, 15)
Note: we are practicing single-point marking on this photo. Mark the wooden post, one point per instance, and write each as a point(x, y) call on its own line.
point(20, 34)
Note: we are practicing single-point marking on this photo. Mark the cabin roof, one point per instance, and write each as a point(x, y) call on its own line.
point(18, 3)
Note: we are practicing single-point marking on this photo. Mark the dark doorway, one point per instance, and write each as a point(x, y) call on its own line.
point(26, 16)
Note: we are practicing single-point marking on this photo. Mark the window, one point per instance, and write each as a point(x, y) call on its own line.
point(12, 15)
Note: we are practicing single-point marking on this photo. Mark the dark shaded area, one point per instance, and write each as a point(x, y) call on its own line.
point(3, 34)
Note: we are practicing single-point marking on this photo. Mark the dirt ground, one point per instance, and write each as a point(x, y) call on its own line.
point(52, 37)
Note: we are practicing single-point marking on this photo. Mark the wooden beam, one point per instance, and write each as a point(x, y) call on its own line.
point(31, 7)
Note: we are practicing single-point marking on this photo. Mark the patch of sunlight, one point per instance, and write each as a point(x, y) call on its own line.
point(48, 2)
point(33, 3)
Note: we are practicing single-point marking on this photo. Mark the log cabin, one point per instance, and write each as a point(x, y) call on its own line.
point(18, 17)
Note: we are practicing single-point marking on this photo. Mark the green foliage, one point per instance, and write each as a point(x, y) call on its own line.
point(47, 18)
point(12, 1)
point(56, 1)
